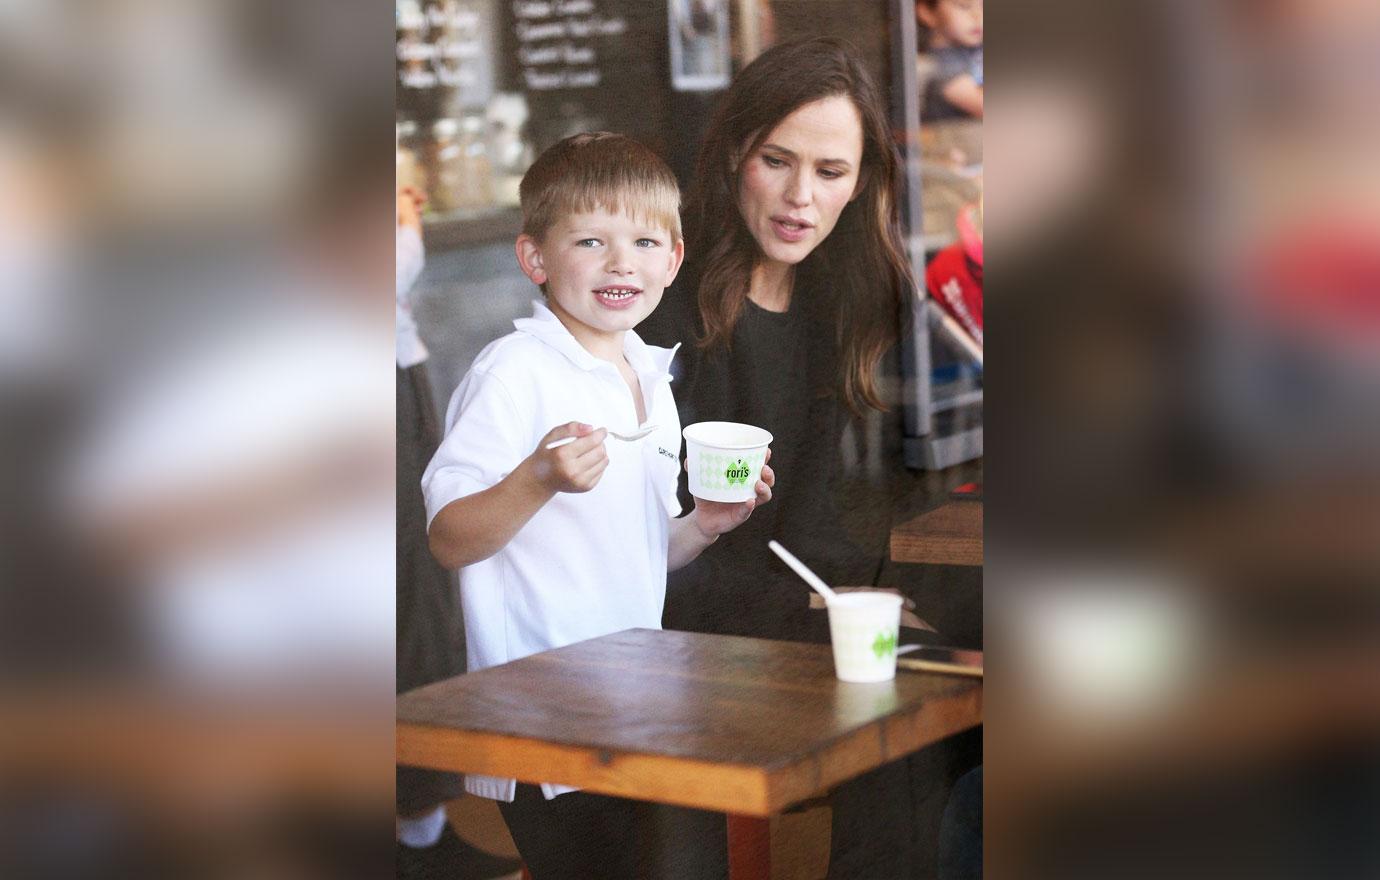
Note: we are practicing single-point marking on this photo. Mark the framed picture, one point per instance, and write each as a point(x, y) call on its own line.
point(700, 59)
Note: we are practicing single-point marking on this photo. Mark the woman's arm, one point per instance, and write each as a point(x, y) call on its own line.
point(964, 93)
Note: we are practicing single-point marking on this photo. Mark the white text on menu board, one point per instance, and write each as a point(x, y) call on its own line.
point(440, 48)
point(549, 50)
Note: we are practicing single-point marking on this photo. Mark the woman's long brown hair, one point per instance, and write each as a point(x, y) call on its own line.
point(861, 267)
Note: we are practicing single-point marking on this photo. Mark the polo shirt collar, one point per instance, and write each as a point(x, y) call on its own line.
point(645, 359)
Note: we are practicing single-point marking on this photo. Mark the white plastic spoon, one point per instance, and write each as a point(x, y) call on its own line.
point(636, 435)
point(803, 570)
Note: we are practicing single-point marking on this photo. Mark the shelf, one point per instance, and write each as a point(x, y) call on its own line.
point(460, 229)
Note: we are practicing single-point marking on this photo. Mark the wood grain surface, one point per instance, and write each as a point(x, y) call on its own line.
point(744, 726)
point(948, 535)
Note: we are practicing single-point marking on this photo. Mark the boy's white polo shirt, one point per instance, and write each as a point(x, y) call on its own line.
point(586, 564)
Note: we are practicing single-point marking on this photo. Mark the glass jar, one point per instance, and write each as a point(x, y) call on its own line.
point(509, 154)
point(445, 167)
point(476, 183)
point(409, 168)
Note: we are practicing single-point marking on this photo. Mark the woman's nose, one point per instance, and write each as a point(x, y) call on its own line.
point(798, 190)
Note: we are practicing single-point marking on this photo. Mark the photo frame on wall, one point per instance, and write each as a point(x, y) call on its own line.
point(700, 47)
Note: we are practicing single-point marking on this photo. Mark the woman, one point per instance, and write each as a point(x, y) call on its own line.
point(792, 291)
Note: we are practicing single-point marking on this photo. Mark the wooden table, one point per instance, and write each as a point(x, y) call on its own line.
point(743, 726)
point(948, 535)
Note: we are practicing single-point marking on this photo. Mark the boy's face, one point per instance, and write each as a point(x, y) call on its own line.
point(604, 273)
point(952, 22)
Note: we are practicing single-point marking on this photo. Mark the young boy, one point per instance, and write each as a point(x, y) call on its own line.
point(560, 543)
point(953, 84)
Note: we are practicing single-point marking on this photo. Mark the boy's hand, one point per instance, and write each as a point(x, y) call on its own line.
point(574, 467)
point(713, 518)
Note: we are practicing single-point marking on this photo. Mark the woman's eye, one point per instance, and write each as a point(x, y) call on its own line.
point(774, 162)
point(830, 173)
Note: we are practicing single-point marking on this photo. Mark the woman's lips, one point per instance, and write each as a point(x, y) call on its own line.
point(617, 297)
point(790, 230)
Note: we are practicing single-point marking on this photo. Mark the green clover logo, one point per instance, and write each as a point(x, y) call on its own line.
point(737, 474)
point(884, 644)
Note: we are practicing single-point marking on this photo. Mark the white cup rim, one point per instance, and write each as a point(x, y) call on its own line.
point(692, 434)
point(863, 599)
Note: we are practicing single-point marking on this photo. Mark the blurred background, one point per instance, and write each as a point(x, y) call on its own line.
point(196, 619)
point(197, 611)
point(1184, 218)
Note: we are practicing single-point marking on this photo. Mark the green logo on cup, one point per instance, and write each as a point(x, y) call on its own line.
point(884, 644)
point(737, 473)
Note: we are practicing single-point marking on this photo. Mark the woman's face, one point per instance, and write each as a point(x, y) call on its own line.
point(796, 184)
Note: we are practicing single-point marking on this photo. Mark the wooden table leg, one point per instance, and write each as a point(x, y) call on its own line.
point(749, 848)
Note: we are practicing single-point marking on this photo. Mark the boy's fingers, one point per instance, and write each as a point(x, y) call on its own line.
point(590, 477)
point(590, 442)
point(569, 429)
point(768, 475)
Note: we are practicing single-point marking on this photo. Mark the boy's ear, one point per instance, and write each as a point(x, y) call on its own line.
point(529, 259)
point(677, 257)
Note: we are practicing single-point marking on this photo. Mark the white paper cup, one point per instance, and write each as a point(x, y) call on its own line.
point(724, 460)
point(864, 628)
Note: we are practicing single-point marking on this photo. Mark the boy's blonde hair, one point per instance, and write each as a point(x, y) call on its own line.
point(599, 170)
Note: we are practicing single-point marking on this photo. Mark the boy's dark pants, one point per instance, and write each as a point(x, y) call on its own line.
point(580, 835)
point(574, 836)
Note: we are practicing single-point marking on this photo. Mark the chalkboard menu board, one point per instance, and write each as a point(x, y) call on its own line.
point(588, 64)
point(444, 50)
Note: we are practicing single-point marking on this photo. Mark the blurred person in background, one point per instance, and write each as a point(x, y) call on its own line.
point(951, 59)
point(430, 632)
point(954, 276)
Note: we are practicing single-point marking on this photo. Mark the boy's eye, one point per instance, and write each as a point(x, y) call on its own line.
point(648, 243)
point(587, 242)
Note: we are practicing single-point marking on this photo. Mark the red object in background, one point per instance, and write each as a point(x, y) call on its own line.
point(1324, 278)
point(967, 492)
point(954, 280)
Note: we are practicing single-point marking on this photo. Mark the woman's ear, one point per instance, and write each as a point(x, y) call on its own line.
point(529, 259)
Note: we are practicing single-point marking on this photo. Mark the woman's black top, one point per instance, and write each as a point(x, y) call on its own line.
point(781, 374)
